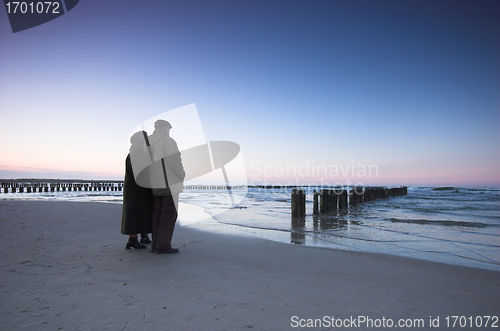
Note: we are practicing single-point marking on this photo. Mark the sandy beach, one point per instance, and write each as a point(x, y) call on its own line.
point(64, 267)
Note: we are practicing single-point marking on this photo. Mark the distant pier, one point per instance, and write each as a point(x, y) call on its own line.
point(32, 186)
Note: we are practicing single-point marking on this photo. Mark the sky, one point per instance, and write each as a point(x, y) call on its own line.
point(326, 92)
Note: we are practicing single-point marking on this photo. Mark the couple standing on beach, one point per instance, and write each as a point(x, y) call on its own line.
point(154, 177)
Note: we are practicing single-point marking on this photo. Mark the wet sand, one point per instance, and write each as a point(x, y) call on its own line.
point(64, 267)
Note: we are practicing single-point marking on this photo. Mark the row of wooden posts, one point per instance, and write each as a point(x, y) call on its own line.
point(212, 187)
point(328, 201)
point(10, 187)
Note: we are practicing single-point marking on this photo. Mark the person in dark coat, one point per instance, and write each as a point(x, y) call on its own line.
point(137, 211)
point(167, 175)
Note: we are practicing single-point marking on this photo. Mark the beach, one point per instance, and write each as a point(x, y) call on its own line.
point(64, 267)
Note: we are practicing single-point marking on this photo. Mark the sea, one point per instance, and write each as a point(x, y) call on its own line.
point(453, 225)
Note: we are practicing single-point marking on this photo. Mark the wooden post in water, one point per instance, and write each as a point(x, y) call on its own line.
point(295, 204)
point(322, 202)
point(343, 199)
point(298, 203)
point(334, 198)
point(328, 201)
point(361, 195)
point(315, 203)
point(301, 203)
point(367, 196)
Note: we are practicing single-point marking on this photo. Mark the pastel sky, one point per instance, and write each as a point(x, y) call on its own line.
point(408, 89)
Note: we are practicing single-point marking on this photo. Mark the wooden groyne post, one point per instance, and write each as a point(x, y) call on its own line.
point(298, 203)
point(330, 201)
point(357, 195)
point(315, 203)
point(343, 199)
point(398, 191)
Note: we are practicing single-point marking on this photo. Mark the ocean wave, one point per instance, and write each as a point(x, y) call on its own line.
point(443, 223)
point(445, 188)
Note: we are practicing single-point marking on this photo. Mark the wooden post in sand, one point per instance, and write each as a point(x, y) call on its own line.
point(298, 203)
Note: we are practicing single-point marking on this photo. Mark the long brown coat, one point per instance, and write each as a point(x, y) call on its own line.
point(137, 211)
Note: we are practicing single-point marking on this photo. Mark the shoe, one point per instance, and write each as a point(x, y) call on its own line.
point(167, 251)
point(153, 250)
point(134, 243)
point(145, 239)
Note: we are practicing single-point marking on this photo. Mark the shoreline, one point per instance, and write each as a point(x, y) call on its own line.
point(65, 267)
point(306, 239)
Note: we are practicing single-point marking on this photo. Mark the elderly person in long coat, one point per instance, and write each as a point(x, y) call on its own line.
point(137, 211)
point(167, 177)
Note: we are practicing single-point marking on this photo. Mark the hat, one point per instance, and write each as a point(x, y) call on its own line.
point(162, 124)
point(138, 138)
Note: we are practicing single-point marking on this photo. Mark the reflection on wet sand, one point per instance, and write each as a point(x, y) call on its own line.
point(297, 232)
point(321, 223)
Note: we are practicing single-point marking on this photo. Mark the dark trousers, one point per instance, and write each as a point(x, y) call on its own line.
point(164, 218)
